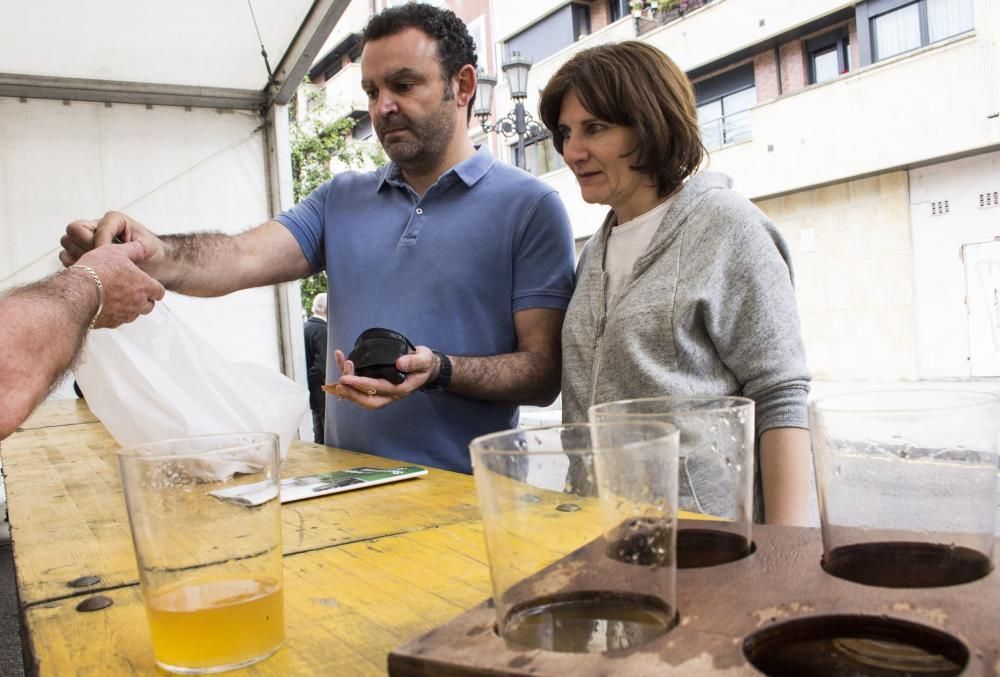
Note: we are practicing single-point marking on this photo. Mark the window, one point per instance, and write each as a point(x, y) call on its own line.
point(897, 26)
point(477, 29)
point(829, 56)
point(617, 9)
point(363, 130)
point(552, 33)
point(724, 104)
point(540, 156)
point(948, 17)
point(896, 32)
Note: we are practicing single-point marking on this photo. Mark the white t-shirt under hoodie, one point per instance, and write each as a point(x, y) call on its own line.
point(626, 243)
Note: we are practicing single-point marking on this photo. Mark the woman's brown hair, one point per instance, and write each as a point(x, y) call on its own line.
point(638, 86)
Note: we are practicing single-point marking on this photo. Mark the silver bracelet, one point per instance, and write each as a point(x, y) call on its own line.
point(100, 291)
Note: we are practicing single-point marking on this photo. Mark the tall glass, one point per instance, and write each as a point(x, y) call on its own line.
point(209, 567)
point(716, 469)
point(907, 485)
point(580, 526)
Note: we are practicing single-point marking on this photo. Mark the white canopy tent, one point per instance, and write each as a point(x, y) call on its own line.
point(166, 111)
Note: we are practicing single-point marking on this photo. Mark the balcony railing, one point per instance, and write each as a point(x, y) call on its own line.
point(670, 10)
point(725, 130)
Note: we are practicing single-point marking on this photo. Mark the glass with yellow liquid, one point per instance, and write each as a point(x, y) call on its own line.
point(210, 566)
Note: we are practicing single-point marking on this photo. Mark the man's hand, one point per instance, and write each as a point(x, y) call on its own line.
point(420, 366)
point(85, 235)
point(128, 291)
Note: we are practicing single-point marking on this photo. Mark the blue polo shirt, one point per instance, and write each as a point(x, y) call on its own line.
point(449, 270)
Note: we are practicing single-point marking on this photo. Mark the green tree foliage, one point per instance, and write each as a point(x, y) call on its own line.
point(311, 286)
point(320, 141)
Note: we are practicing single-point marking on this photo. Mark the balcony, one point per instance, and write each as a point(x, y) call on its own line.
point(344, 93)
point(882, 117)
point(728, 129)
point(668, 11)
point(734, 26)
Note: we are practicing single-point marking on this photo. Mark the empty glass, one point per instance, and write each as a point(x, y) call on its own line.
point(716, 469)
point(907, 485)
point(580, 526)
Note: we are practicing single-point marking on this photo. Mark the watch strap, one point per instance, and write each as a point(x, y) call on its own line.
point(443, 379)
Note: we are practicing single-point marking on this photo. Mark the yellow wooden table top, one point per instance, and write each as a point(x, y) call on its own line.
point(59, 412)
point(346, 608)
point(365, 571)
point(68, 519)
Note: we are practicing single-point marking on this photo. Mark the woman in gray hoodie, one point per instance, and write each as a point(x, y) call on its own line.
point(686, 288)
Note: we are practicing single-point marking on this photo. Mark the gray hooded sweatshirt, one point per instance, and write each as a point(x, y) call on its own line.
point(708, 310)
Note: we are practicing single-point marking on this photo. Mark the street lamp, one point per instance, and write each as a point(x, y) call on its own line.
point(518, 123)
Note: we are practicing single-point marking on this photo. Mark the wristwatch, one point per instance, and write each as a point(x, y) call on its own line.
point(443, 379)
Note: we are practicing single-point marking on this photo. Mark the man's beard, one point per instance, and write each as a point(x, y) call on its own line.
point(423, 144)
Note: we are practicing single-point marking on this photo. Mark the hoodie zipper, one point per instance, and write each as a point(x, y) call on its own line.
point(598, 335)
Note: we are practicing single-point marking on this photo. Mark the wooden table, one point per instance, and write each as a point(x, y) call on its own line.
point(365, 571)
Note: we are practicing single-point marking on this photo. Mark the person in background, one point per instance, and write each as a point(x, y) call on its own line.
point(43, 325)
point(686, 288)
point(314, 332)
point(460, 253)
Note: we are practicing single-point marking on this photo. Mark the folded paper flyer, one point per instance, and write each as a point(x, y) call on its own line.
point(308, 486)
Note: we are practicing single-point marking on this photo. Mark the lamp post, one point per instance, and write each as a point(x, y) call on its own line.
point(518, 123)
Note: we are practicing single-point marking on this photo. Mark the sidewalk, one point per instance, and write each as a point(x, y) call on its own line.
point(551, 415)
point(821, 388)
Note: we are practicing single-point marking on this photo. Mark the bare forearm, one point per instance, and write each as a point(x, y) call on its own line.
point(520, 378)
point(192, 264)
point(43, 329)
point(786, 464)
point(215, 264)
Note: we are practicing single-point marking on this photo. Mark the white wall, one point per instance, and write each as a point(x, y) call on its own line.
point(586, 218)
point(939, 273)
point(353, 20)
point(905, 111)
point(343, 91)
point(932, 103)
point(172, 169)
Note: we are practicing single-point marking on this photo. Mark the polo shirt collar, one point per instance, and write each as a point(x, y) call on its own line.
point(469, 170)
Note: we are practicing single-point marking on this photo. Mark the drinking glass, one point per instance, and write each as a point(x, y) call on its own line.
point(716, 470)
point(210, 567)
point(907, 485)
point(580, 526)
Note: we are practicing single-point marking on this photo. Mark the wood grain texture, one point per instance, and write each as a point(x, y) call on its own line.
point(68, 517)
point(719, 608)
point(345, 608)
point(59, 412)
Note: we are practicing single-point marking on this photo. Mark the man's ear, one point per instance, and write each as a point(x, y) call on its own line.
point(465, 85)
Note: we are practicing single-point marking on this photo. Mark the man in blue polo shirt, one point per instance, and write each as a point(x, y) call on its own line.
point(469, 258)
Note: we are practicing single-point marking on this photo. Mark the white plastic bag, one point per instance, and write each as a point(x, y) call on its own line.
point(156, 379)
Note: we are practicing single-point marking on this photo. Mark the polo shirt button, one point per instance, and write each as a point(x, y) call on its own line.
point(419, 210)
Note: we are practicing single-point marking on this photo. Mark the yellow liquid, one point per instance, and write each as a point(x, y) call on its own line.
point(209, 623)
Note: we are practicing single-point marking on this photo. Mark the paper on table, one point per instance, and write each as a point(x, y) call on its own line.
point(308, 486)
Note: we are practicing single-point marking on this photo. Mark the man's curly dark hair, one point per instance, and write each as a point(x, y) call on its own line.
point(455, 46)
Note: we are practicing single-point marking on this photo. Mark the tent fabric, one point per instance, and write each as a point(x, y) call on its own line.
point(183, 42)
point(125, 105)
